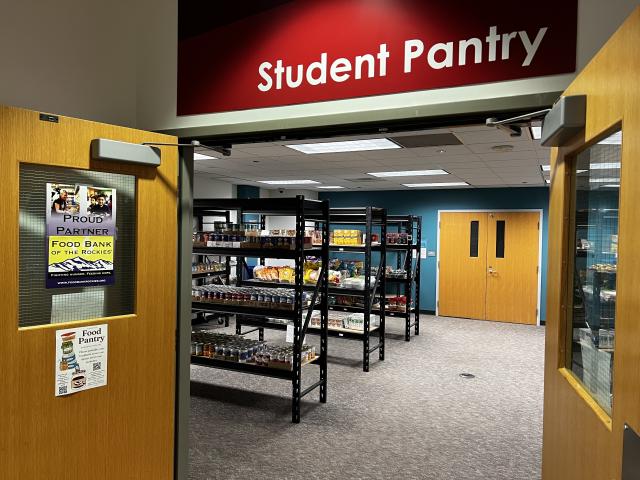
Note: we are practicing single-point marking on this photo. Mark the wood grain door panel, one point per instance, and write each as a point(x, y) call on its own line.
point(461, 277)
point(123, 430)
point(512, 280)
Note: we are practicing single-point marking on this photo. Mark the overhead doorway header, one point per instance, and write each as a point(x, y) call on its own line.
point(247, 54)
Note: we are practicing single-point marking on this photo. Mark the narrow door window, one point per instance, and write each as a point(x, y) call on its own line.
point(500, 227)
point(473, 244)
point(596, 174)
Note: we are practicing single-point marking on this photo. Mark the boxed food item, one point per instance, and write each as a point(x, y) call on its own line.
point(396, 303)
point(349, 321)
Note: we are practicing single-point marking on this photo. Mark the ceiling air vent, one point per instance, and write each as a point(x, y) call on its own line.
point(429, 140)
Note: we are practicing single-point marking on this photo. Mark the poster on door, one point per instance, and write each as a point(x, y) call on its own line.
point(81, 234)
point(81, 359)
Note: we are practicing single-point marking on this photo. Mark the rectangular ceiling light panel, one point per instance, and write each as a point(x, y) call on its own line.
point(409, 173)
point(346, 146)
point(201, 156)
point(288, 182)
point(536, 132)
point(330, 187)
point(438, 184)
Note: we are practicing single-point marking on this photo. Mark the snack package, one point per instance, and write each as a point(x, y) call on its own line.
point(335, 277)
point(311, 271)
point(286, 274)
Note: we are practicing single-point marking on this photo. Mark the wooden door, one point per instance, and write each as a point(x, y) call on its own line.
point(580, 439)
point(462, 268)
point(123, 430)
point(512, 267)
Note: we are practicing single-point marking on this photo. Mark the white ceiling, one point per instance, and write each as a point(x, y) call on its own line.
point(474, 162)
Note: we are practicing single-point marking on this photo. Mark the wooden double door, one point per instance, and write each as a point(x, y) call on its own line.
point(489, 265)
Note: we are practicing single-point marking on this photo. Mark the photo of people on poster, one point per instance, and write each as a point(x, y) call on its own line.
point(100, 202)
point(63, 199)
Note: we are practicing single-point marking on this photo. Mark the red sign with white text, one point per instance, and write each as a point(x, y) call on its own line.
point(259, 54)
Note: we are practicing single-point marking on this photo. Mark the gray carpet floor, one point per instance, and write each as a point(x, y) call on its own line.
point(411, 417)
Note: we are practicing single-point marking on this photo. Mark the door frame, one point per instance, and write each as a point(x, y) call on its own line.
point(540, 211)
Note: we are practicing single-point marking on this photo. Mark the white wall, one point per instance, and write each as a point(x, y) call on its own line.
point(71, 57)
point(206, 186)
point(284, 222)
point(597, 20)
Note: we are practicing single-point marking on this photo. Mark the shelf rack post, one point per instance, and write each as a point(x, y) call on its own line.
point(297, 323)
point(416, 285)
point(408, 286)
point(367, 292)
point(324, 306)
point(383, 283)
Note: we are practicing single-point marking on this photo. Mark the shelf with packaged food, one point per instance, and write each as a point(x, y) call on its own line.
point(265, 371)
point(284, 253)
point(345, 332)
point(200, 277)
point(356, 309)
point(404, 240)
point(354, 248)
point(259, 324)
point(270, 301)
point(246, 310)
point(371, 218)
point(333, 290)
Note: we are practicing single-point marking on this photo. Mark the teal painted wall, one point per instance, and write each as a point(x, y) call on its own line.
point(426, 203)
point(248, 191)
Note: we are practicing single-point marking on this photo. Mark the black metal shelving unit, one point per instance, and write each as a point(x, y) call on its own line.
point(370, 218)
point(407, 259)
point(300, 316)
point(223, 276)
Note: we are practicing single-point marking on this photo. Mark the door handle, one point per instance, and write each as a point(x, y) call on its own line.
point(491, 271)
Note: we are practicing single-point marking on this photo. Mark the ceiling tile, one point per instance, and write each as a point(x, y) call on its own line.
point(449, 150)
point(525, 154)
point(517, 147)
point(493, 136)
point(486, 181)
point(269, 151)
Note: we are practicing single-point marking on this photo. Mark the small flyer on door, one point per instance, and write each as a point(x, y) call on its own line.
point(81, 359)
point(81, 233)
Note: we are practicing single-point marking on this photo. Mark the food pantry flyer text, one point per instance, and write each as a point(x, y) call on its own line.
point(81, 359)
